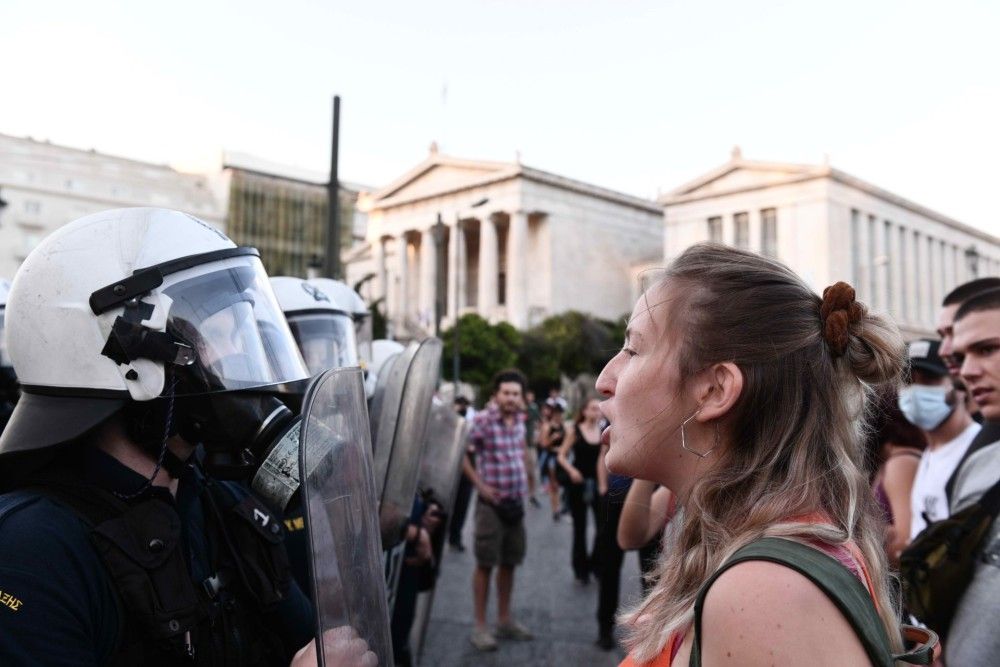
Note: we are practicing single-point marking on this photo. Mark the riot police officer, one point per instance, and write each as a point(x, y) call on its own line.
point(148, 347)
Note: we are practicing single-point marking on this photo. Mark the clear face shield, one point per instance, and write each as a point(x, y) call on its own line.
point(326, 340)
point(231, 320)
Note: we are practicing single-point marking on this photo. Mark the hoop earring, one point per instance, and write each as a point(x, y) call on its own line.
point(700, 455)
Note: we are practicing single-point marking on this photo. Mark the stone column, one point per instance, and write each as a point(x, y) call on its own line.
point(881, 261)
point(456, 271)
point(897, 297)
point(488, 267)
point(517, 270)
point(381, 278)
point(755, 242)
point(428, 277)
point(402, 300)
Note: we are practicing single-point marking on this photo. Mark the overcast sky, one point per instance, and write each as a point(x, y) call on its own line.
point(635, 96)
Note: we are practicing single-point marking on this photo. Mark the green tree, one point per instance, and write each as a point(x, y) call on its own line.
point(484, 349)
point(581, 343)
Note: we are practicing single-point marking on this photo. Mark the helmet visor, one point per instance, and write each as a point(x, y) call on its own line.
point(229, 316)
point(326, 340)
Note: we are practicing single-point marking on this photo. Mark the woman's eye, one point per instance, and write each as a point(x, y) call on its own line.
point(629, 351)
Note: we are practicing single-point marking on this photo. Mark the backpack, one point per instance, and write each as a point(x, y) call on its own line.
point(841, 586)
point(938, 564)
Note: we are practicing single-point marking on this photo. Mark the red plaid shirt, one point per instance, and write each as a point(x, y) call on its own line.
point(500, 452)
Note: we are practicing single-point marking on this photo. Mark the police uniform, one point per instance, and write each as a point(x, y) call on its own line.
point(171, 591)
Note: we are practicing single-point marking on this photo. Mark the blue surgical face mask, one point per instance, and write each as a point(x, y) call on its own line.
point(925, 407)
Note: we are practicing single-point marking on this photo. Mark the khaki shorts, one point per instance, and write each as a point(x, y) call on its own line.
point(496, 542)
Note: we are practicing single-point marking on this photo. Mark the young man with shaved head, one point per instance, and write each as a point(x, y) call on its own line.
point(974, 638)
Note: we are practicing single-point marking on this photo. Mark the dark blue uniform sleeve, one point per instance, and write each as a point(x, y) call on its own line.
point(56, 603)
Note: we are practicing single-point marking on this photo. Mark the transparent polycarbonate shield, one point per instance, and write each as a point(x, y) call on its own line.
point(385, 410)
point(408, 442)
point(442, 464)
point(339, 505)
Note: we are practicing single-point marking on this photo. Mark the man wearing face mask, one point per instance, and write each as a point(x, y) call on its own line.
point(931, 401)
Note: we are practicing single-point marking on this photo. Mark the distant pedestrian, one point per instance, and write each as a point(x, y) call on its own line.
point(532, 419)
point(895, 448)
point(583, 440)
point(500, 478)
point(464, 493)
point(553, 432)
point(610, 556)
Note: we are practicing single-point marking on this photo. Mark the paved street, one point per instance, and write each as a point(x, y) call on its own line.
point(547, 599)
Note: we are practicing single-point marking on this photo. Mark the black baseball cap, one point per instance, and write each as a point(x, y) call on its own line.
point(923, 356)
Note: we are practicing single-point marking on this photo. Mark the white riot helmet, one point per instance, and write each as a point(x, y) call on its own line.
point(109, 306)
point(355, 306)
point(321, 324)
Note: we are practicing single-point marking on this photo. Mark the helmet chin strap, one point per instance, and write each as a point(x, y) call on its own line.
point(164, 448)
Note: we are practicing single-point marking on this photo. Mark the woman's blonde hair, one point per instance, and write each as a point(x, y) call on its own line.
point(795, 433)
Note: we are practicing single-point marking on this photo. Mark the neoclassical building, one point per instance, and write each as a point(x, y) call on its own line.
point(828, 226)
point(515, 243)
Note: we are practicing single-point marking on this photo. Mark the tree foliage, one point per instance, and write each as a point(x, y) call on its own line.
point(484, 349)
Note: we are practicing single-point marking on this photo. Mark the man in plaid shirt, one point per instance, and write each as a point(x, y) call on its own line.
point(498, 437)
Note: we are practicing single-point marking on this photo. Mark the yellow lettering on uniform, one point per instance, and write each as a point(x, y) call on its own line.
point(8, 600)
point(292, 525)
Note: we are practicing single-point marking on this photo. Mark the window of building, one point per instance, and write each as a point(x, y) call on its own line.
point(741, 222)
point(769, 232)
point(715, 229)
point(31, 206)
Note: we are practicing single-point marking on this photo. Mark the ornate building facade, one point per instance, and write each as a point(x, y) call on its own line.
point(827, 225)
point(515, 243)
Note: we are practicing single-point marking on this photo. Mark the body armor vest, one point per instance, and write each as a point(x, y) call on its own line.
point(166, 617)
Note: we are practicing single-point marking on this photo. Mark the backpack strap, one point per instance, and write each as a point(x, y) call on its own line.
point(836, 581)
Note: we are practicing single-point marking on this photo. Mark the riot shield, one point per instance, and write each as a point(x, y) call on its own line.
point(339, 505)
point(441, 468)
point(440, 473)
point(408, 440)
point(385, 411)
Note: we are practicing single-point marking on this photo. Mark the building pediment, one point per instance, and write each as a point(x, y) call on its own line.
point(440, 174)
point(739, 175)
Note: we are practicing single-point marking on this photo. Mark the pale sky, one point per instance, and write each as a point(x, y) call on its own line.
point(635, 96)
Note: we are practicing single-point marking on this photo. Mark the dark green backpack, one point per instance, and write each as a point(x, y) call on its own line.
point(841, 586)
point(937, 566)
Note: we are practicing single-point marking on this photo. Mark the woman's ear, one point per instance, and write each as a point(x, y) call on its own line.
point(718, 390)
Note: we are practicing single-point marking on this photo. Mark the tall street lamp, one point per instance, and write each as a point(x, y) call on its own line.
point(438, 231)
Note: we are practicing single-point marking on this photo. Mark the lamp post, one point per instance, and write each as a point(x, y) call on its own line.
point(972, 261)
point(438, 231)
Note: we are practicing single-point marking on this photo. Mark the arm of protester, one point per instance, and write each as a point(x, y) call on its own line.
point(761, 614)
point(544, 438)
point(646, 511)
point(897, 481)
point(488, 493)
point(563, 457)
point(602, 472)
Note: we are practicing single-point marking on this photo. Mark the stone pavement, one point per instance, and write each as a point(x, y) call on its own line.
point(547, 599)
